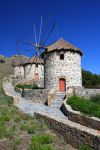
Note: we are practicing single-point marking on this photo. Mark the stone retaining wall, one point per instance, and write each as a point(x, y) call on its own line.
point(86, 93)
point(36, 95)
point(74, 134)
point(77, 117)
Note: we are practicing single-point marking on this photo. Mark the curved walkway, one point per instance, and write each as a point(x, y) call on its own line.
point(30, 107)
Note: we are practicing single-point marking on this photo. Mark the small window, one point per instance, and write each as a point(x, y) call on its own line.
point(36, 65)
point(62, 56)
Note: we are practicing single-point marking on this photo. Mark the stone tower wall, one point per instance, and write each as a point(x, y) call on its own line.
point(28, 71)
point(69, 69)
point(19, 72)
point(31, 70)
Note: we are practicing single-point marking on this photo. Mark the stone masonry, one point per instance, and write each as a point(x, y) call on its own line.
point(69, 69)
point(28, 71)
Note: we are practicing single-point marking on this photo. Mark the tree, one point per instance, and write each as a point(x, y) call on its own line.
point(90, 80)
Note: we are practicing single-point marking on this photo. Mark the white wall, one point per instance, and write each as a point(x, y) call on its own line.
point(19, 71)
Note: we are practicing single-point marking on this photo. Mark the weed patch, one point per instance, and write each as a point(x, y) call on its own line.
point(85, 147)
point(41, 142)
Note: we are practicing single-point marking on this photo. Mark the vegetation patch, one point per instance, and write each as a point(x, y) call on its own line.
point(84, 106)
point(90, 80)
point(41, 142)
point(27, 86)
point(85, 147)
point(95, 99)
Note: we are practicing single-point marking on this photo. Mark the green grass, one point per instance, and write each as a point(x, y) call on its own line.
point(85, 147)
point(95, 99)
point(41, 142)
point(84, 106)
point(29, 128)
point(27, 86)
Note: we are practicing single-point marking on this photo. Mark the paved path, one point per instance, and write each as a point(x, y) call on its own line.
point(58, 100)
point(30, 107)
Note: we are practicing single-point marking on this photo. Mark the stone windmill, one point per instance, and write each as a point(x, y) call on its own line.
point(34, 66)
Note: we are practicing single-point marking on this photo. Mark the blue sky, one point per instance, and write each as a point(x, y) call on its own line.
point(78, 21)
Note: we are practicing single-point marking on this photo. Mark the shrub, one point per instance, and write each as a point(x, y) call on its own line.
point(27, 86)
point(84, 106)
point(95, 98)
point(85, 147)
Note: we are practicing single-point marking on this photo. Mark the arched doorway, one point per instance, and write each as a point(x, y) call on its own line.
point(62, 85)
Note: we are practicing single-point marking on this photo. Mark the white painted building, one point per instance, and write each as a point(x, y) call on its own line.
point(29, 69)
point(62, 66)
point(34, 69)
point(18, 66)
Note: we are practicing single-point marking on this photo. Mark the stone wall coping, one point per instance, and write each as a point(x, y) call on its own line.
point(68, 107)
point(30, 89)
point(72, 124)
point(82, 88)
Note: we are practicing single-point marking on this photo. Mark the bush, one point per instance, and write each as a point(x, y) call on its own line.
point(84, 106)
point(27, 86)
point(95, 98)
point(85, 147)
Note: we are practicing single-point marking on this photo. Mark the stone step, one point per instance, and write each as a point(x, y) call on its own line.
point(58, 100)
point(60, 95)
point(56, 103)
point(57, 97)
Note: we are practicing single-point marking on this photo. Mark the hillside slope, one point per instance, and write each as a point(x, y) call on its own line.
point(6, 68)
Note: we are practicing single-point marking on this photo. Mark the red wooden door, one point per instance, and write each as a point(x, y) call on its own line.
point(62, 85)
